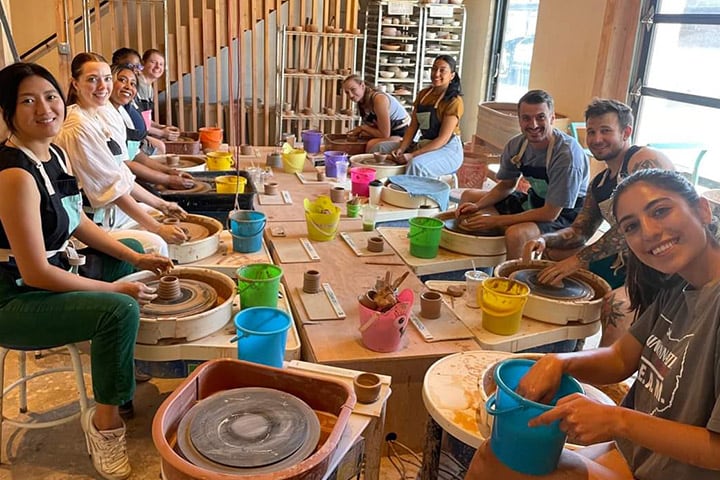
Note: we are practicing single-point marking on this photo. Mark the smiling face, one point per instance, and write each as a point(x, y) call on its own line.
point(441, 74)
point(663, 230)
point(154, 66)
point(93, 85)
point(604, 137)
point(40, 110)
point(354, 90)
point(536, 121)
point(124, 87)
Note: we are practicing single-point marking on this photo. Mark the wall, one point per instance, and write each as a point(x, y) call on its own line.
point(567, 44)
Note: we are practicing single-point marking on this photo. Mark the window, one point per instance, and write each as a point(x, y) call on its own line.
point(513, 41)
point(675, 91)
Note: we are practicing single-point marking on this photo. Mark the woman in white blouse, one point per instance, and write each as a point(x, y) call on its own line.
point(97, 155)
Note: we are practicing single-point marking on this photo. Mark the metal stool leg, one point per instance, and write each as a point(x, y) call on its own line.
point(22, 365)
point(79, 376)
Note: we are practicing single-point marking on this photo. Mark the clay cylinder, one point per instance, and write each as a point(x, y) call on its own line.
point(169, 288)
point(247, 150)
point(173, 160)
point(430, 303)
point(311, 281)
point(171, 221)
point(321, 176)
point(367, 387)
point(272, 188)
point(375, 244)
point(337, 194)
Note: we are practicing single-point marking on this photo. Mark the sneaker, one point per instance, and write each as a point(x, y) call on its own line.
point(107, 448)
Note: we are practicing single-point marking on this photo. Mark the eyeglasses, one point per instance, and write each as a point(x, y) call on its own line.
point(134, 66)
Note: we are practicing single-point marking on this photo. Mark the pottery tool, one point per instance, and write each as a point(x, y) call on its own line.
point(353, 238)
point(333, 300)
point(386, 263)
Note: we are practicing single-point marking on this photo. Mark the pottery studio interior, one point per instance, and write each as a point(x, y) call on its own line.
point(331, 239)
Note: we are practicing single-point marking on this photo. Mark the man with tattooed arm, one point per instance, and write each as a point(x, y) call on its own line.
point(609, 126)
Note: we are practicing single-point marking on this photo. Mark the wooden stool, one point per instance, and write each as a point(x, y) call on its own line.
point(24, 378)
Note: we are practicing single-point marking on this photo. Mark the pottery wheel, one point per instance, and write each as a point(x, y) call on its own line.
point(248, 431)
point(453, 225)
point(374, 163)
point(571, 289)
point(195, 297)
point(194, 231)
point(198, 187)
point(189, 162)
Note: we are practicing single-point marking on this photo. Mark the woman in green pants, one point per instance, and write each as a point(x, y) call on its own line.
point(43, 303)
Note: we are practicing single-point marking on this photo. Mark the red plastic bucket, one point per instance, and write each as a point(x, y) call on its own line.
point(361, 178)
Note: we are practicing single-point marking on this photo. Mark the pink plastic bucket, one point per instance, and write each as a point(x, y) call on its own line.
point(311, 140)
point(361, 178)
point(383, 331)
point(331, 158)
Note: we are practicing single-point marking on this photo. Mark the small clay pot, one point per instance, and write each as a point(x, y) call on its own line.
point(172, 160)
point(298, 29)
point(311, 281)
point(337, 194)
point(375, 244)
point(246, 150)
point(329, 111)
point(367, 387)
point(306, 111)
point(271, 188)
point(320, 176)
point(367, 300)
point(430, 304)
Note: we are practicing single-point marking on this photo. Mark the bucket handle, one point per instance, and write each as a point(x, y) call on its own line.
point(228, 227)
point(491, 410)
point(326, 233)
point(369, 323)
point(262, 227)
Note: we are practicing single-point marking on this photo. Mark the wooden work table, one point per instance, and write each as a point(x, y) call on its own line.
point(338, 342)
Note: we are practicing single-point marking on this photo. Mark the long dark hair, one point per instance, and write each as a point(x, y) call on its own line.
point(10, 79)
point(76, 70)
point(455, 87)
point(644, 282)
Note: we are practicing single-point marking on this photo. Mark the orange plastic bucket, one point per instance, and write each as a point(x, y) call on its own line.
point(211, 137)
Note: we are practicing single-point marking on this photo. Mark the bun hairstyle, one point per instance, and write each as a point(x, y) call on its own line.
point(10, 79)
point(455, 87)
point(76, 70)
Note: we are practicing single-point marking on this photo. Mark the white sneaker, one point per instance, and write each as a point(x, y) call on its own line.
point(107, 448)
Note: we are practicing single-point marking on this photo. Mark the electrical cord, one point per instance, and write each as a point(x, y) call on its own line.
point(400, 463)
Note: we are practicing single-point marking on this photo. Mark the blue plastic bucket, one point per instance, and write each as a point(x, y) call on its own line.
point(529, 450)
point(331, 158)
point(262, 333)
point(246, 228)
point(311, 140)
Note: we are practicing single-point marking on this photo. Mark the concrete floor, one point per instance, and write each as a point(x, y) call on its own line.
point(59, 453)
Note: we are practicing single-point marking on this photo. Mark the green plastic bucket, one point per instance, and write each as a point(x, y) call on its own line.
point(424, 236)
point(258, 285)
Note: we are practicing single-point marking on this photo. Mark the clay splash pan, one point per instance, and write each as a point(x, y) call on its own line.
point(327, 398)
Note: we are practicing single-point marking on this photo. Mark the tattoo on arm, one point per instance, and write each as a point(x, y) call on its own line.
point(610, 243)
point(645, 164)
point(583, 227)
point(612, 311)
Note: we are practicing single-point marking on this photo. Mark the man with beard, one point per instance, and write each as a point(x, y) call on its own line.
point(552, 162)
point(609, 127)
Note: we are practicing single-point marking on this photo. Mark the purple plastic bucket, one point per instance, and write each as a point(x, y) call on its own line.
point(331, 158)
point(311, 140)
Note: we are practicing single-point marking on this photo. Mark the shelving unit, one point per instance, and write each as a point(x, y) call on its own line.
point(312, 67)
point(397, 25)
point(421, 33)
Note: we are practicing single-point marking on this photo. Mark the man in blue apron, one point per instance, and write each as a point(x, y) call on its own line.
point(609, 127)
point(552, 162)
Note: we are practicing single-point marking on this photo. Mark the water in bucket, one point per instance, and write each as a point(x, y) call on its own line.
point(502, 301)
point(424, 236)
point(258, 285)
point(262, 333)
point(246, 228)
point(530, 450)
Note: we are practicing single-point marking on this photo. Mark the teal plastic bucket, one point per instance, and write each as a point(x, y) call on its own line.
point(262, 333)
point(529, 450)
point(258, 285)
point(424, 236)
point(246, 228)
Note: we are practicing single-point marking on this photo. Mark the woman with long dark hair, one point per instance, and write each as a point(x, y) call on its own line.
point(42, 303)
point(671, 430)
point(437, 113)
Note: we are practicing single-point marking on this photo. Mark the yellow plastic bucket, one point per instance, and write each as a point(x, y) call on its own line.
point(219, 161)
point(502, 301)
point(322, 218)
point(230, 184)
point(293, 159)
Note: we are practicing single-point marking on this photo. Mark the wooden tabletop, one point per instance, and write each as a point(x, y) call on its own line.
point(445, 261)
